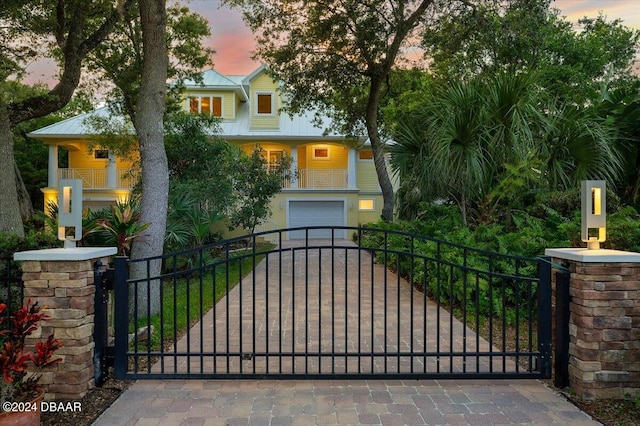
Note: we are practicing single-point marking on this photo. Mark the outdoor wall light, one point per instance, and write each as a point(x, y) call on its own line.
point(70, 211)
point(594, 213)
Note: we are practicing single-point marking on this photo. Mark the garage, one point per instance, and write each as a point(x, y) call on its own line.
point(316, 213)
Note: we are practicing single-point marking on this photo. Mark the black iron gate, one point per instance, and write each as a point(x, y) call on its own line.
point(380, 304)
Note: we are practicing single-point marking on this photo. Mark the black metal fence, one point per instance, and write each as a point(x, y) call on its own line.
point(11, 286)
point(380, 304)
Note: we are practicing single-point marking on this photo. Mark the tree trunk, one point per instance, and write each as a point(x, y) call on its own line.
point(24, 201)
point(148, 122)
point(377, 146)
point(10, 219)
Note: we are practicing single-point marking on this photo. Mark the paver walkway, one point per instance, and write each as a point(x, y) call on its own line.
point(308, 402)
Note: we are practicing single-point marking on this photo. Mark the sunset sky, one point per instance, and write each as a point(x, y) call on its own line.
point(234, 43)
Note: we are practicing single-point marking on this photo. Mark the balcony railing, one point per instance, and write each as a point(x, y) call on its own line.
point(318, 179)
point(304, 178)
point(98, 178)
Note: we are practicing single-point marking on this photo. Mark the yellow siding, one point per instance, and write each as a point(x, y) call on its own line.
point(264, 83)
point(302, 157)
point(229, 106)
point(366, 177)
point(84, 160)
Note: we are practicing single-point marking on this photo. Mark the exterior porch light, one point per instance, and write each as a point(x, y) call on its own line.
point(70, 211)
point(594, 213)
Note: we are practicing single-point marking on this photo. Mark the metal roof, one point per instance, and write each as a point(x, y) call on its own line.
point(299, 127)
point(291, 127)
point(74, 127)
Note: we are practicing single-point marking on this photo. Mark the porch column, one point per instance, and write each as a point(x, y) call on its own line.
point(294, 166)
point(351, 168)
point(111, 171)
point(52, 172)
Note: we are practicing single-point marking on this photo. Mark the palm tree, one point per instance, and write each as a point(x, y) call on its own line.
point(469, 137)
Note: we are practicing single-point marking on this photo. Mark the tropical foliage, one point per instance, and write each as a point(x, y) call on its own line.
point(255, 184)
point(486, 142)
point(441, 260)
point(118, 225)
point(15, 384)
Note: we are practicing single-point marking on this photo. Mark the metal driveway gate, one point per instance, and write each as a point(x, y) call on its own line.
point(333, 308)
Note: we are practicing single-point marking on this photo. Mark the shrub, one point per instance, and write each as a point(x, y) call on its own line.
point(14, 359)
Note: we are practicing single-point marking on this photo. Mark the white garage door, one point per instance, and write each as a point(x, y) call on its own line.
point(316, 213)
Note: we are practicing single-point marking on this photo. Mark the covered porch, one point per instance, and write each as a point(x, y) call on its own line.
point(314, 166)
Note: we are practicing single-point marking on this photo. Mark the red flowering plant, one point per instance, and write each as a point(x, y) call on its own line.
point(15, 384)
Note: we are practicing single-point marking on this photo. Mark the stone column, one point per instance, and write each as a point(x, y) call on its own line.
point(62, 280)
point(604, 325)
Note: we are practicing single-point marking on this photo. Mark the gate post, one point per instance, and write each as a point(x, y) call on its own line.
point(544, 319)
point(121, 317)
point(604, 324)
point(63, 281)
point(562, 300)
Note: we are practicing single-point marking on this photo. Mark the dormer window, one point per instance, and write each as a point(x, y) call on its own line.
point(264, 103)
point(208, 105)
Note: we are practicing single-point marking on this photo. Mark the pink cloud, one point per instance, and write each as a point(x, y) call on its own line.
point(626, 10)
point(234, 42)
point(230, 37)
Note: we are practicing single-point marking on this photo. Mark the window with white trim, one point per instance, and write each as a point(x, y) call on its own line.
point(208, 105)
point(365, 155)
point(264, 103)
point(321, 152)
point(273, 158)
point(366, 205)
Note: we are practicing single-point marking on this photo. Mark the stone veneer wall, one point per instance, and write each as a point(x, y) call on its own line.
point(604, 329)
point(66, 288)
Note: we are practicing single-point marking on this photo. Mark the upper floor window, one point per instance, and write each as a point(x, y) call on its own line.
point(208, 105)
point(365, 155)
point(321, 152)
point(265, 103)
point(273, 158)
point(100, 154)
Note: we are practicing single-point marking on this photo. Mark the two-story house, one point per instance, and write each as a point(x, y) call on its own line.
point(335, 180)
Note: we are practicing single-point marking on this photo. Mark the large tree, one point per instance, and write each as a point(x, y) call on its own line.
point(147, 48)
point(530, 35)
point(331, 52)
point(66, 30)
point(148, 122)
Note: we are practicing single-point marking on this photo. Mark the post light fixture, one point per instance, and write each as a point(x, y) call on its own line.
point(594, 213)
point(70, 211)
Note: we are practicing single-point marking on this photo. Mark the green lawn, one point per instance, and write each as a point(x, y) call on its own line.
point(186, 298)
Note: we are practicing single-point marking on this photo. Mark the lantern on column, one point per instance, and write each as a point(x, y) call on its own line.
point(70, 211)
point(594, 213)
